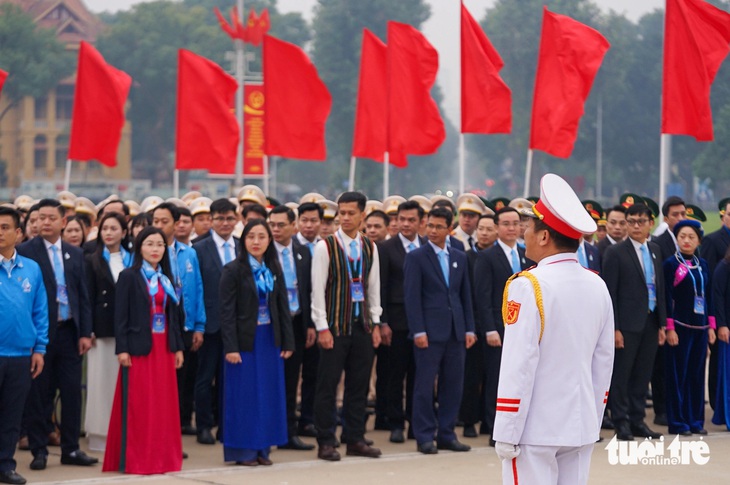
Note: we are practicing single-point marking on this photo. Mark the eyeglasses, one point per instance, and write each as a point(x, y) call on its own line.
point(229, 220)
point(438, 227)
point(636, 222)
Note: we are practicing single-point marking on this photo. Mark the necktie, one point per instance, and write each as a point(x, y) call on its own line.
point(227, 255)
point(516, 268)
point(61, 294)
point(649, 276)
point(354, 257)
point(311, 245)
point(444, 261)
point(582, 256)
point(471, 243)
point(291, 279)
point(411, 247)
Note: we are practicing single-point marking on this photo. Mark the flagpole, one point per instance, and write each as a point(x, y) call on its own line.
point(266, 174)
point(176, 182)
point(599, 150)
point(386, 175)
point(67, 177)
point(351, 182)
point(528, 173)
point(240, 73)
point(462, 163)
point(273, 171)
point(665, 160)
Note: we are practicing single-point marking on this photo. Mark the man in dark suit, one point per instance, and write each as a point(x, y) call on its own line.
point(296, 266)
point(213, 253)
point(69, 335)
point(394, 329)
point(438, 300)
point(633, 273)
point(615, 228)
point(492, 270)
point(589, 256)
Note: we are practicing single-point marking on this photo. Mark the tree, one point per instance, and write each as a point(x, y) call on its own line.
point(32, 56)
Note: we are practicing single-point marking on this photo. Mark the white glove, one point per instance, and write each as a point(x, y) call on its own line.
point(506, 451)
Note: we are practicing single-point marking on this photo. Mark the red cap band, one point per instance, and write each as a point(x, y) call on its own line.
point(552, 220)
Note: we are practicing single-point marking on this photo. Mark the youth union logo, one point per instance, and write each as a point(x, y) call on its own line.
point(655, 453)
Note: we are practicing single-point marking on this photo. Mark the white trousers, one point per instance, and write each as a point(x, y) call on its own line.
point(548, 465)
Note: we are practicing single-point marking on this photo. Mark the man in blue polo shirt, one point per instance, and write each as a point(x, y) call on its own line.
point(23, 336)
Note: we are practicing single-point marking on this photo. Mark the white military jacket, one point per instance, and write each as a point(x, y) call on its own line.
point(553, 390)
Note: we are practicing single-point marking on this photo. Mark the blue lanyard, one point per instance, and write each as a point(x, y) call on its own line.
point(699, 270)
point(353, 265)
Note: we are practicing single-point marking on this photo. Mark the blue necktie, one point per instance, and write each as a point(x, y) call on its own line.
point(444, 261)
point(291, 278)
point(227, 255)
point(411, 247)
point(649, 276)
point(311, 245)
point(582, 256)
point(354, 256)
point(516, 268)
point(63, 312)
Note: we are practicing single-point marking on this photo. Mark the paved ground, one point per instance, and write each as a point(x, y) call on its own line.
point(399, 465)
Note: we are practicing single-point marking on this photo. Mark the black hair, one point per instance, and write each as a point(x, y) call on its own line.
point(122, 222)
point(138, 220)
point(616, 208)
point(505, 210)
point(488, 216)
point(125, 208)
point(147, 232)
point(256, 209)
point(410, 205)
point(50, 203)
point(34, 208)
point(184, 211)
point(7, 211)
point(443, 203)
point(271, 258)
point(639, 210)
point(282, 209)
point(83, 218)
point(357, 197)
point(221, 206)
point(561, 241)
point(168, 206)
point(442, 213)
point(671, 202)
point(376, 213)
point(311, 206)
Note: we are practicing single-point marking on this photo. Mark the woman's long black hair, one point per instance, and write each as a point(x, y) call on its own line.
point(137, 263)
point(122, 222)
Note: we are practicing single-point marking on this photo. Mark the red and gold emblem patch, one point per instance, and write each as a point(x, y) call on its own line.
point(513, 312)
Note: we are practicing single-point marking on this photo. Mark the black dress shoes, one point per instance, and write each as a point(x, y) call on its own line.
point(78, 458)
point(361, 448)
point(686, 432)
point(328, 453)
point(308, 430)
point(296, 443)
point(396, 436)
point(660, 420)
point(454, 445)
point(428, 448)
point(410, 435)
point(205, 437)
point(188, 430)
point(623, 431)
point(39, 462)
point(701, 431)
point(606, 423)
point(470, 431)
point(641, 429)
point(343, 440)
point(11, 477)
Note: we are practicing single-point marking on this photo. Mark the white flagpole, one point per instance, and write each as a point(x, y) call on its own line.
point(266, 174)
point(67, 178)
point(665, 160)
point(240, 73)
point(351, 182)
point(176, 183)
point(386, 175)
point(462, 163)
point(528, 173)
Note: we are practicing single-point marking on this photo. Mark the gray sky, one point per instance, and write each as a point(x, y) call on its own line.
point(442, 30)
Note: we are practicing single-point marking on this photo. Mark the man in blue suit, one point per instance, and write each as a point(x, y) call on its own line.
point(441, 323)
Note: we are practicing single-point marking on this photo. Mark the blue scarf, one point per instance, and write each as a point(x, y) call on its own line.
point(262, 276)
point(154, 277)
point(126, 256)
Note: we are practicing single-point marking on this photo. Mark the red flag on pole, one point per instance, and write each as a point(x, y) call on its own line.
point(98, 111)
point(297, 103)
point(207, 131)
point(3, 77)
point(696, 41)
point(415, 124)
point(486, 101)
point(570, 56)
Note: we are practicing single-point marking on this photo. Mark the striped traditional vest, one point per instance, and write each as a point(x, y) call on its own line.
point(340, 309)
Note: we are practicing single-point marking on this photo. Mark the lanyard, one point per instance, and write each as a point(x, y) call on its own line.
point(683, 262)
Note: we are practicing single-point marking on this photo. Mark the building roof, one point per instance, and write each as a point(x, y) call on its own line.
point(70, 19)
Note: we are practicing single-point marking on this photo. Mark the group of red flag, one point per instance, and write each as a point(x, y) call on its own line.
point(254, 31)
point(395, 111)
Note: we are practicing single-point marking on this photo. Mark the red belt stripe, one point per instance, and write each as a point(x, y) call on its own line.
point(501, 400)
point(508, 409)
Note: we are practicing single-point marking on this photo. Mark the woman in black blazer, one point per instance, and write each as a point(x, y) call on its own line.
point(103, 267)
point(257, 335)
point(149, 346)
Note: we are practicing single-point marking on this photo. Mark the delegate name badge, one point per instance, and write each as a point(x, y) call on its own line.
point(356, 291)
point(62, 295)
point(700, 305)
point(264, 317)
point(158, 323)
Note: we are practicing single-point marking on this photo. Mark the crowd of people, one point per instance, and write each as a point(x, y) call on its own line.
point(234, 320)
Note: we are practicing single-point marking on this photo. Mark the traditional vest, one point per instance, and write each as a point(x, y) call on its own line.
point(340, 309)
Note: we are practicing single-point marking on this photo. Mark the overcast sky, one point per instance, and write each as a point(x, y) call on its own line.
point(442, 29)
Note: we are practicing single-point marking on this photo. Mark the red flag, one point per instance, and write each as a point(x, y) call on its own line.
point(207, 132)
point(98, 112)
point(415, 124)
point(297, 103)
point(696, 41)
point(3, 77)
point(570, 56)
point(486, 101)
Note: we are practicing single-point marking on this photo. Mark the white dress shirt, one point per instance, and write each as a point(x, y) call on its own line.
point(404, 240)
point(219, 242)
point(116, 264)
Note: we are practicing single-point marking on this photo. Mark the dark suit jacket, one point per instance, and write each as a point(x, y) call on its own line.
point(392, 256)
point(626, 283)
point(456, 243)
point(211, 268)
point(714, 246)
point(73, 269)
point(491, 272)
point(132, 322)
point(102, 291)
point(303, 262)
point(665, 243)
point(431, 306)
point(593, 255)
point(239, 309)
point(604, 244)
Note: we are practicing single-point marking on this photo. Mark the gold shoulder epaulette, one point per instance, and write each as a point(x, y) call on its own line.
point(538, 297)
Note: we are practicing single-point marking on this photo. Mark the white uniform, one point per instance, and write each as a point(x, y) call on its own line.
point(552, 391)
point(462, 236)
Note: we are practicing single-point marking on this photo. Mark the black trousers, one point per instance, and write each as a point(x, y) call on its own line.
point(186, 381)
point(62, 372)
point(292, 368)
point(310, 363)
point(382, 372)
point(632, 369)
point(712, 374)
point(658, 383)
point(353, 354)
point(14, 386)
point(493, 358)
point(472, 401)
point(402, 370)
point(210, 356)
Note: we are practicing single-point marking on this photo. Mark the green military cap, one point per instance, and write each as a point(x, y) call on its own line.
point(629, 199)
point(499, 203)
point(723, 205)
point(653, 206)
point(694, 212)
point(594, 209)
